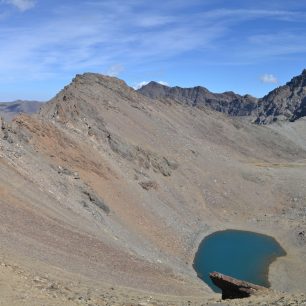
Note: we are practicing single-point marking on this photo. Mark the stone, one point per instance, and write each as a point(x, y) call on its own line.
point(68, 172)
point(3, 129)
point(147, 185)
point(233, 288)
point(95, 200)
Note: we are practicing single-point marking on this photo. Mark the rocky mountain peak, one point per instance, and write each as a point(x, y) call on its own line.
point(92, 79)
point(84, 96)
point(154, 83)
point(227, 102)
point(284, 103)
point(298, 81)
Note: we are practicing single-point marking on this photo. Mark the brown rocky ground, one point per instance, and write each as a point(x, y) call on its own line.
point(108, 189)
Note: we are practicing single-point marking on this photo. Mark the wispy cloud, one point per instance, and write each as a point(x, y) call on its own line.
point(140, 84)
point(114, 70)
point(275, 44)
point(22, 5)
point(163, 83)
point(154, 21)
point(237, 15)
point(93, 35)
point(268, 79)
point(84, 37)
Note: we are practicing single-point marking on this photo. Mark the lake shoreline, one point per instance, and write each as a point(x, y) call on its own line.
point(261, 278)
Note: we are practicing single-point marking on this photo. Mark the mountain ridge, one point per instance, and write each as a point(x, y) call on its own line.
point(285, 103)
point(227, 102)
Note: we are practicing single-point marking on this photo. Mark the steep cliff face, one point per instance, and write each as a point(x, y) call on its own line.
point(287, 102)
point(228, 102)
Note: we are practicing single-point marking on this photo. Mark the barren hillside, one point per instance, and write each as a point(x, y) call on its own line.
point(110, 190)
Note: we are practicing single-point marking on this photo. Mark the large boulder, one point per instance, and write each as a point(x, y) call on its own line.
point(233, 288)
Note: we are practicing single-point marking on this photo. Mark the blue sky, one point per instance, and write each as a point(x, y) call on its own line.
point(240, 45)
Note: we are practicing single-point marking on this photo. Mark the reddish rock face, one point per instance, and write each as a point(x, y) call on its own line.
point(234, 288)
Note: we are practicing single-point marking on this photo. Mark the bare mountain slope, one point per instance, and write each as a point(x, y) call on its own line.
point(115, 189)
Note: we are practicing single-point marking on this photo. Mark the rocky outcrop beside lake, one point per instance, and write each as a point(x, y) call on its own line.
point(233, 288)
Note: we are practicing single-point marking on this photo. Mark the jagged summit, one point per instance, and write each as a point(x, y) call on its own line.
point(94, 84)
point(104, 80)
point(154, 83)
point(85, 98)
point(227, 102)
point(286, 102)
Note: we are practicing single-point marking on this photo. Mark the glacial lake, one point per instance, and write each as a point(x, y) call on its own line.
point(240, 254)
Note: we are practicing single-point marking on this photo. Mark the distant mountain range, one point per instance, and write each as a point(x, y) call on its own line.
point(227, 102)
point(9, 110)
point(285, 103)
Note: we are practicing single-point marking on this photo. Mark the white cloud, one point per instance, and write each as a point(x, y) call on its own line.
point(268, 79)
point(22, 5)
point(163, 83)
point(114, 70)
point(143, 83)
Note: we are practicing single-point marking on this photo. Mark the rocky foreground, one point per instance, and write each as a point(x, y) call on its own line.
point(21, 287)
point(106, 194)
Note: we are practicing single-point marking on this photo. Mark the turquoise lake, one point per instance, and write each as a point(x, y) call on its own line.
point(240, 254)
